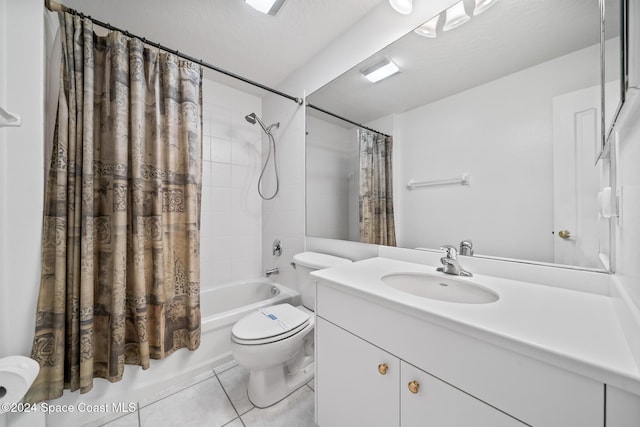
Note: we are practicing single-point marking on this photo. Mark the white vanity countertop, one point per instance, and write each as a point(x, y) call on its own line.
point(577, 331)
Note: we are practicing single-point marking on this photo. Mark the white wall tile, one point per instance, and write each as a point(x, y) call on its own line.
point(231, 248)
point(206, 120)
point(246, 152)
point(221, 175)
point(206, 174)
point(243, 176)
point(221, 223)
point(221, 124)
point(206, 201)
point(206, 148)
point(221, 200)
point(220, 150)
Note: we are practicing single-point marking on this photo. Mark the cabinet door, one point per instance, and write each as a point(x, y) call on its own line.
point(429, 401)
point(350, 388)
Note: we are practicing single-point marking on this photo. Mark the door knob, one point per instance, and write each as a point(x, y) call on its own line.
point(382, 368)
point(564, 234)
point(414, 386)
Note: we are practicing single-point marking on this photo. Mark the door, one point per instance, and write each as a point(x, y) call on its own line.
point(427, 401)
point(576, 178)
point(356, 382)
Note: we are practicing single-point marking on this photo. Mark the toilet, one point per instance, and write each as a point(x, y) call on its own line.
point(276, 343)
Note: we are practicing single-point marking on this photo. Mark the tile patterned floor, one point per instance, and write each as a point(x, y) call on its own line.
point(219, 399)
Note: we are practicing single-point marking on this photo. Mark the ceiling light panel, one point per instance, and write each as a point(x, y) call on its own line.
point(268, 7)
point(380, 70)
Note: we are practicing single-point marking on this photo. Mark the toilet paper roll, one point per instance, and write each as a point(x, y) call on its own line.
point(17, 373)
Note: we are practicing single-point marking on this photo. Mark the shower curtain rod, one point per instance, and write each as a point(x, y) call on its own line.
point(346, 120)
point(58, 7)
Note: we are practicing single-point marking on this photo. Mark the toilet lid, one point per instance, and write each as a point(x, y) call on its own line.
point(274, 322)
point(318, 261)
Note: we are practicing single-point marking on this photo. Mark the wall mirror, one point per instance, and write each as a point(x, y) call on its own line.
point(500, 117)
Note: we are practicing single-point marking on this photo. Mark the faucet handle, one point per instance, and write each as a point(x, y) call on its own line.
point(466, 248)
point(449, 251)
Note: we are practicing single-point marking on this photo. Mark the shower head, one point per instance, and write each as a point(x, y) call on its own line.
point(253, 119)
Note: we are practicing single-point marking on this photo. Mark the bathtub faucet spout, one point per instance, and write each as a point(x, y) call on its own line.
point(271, 271)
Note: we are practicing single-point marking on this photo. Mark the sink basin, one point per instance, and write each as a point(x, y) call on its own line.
point(440, 288)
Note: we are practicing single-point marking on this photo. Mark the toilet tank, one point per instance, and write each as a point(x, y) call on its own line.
point(306, 262)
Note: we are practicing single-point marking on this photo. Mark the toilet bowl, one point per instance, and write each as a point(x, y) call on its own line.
point(276, 343)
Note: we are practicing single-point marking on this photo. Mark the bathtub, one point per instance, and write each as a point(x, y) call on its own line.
point(223, 306)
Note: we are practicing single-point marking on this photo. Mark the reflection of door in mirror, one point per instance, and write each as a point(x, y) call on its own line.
point(576, 145)
point(580, 235)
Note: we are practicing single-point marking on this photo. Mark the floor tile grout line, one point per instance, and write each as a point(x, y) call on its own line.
point(112, 420)
point(178, 391)
point(229, 398)
point(226, 369)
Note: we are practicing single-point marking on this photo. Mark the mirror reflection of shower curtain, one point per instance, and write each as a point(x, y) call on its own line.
point(377, 223)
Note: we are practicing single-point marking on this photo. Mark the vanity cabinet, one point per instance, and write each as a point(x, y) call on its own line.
point(463, 380)
point(360, 384)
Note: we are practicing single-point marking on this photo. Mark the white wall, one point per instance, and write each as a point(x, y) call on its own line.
point(627, 154)
point(21, 176)
point(628, 185)
point(330, 175)
point(231, 232)
point(500, 133)
point(3, 181)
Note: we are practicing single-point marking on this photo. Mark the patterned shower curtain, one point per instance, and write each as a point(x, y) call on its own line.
point(377, 224)
point(120, 280)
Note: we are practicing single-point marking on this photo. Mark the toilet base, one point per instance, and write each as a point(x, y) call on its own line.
point(269, 386)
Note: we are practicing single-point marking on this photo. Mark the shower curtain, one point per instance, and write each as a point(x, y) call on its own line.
point(120, 246)
point(377, 224)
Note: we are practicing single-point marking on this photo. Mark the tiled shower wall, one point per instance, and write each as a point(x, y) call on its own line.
point(231, 237)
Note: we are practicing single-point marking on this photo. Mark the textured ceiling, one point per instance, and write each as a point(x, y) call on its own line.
point(230, 34)
point(509, 37)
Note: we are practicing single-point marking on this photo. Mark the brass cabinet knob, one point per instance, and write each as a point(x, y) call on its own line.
point(383, 368)
point(414, 386)
point(564, 234)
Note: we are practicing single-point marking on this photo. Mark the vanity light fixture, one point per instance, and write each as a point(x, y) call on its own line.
point(428, 29)
point(482, 5)
point(455, 16)
point(402, 6)
point(380, 70)
point(268, 7)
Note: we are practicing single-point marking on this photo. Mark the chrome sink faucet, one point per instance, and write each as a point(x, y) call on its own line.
point(450, 263)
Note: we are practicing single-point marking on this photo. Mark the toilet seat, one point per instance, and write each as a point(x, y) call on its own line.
point(270, 324)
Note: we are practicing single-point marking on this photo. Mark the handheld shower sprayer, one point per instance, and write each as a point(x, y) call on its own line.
point(253, 119)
